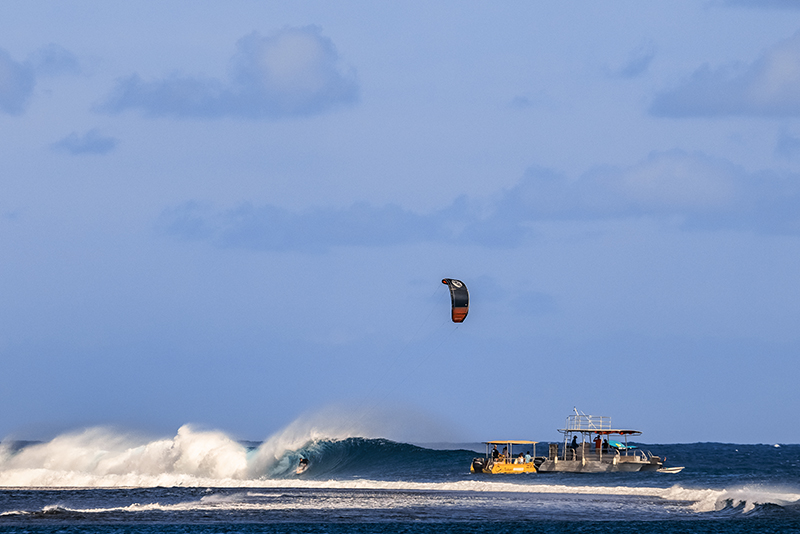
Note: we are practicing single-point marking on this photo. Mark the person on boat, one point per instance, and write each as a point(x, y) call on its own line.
point(528, 457)
point(504, 455)
point(520, 459)
point(495, 453)
point(597, 443)
point(605, 446)
point(574, 446)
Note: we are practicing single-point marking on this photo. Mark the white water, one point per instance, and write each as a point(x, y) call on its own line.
point(748, 497)
point(100, 457)
point(448, 493)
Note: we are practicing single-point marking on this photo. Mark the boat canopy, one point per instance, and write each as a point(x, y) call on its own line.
point(594, 424)
point(603, 432)
point(511, 441)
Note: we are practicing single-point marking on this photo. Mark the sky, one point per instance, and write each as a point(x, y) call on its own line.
point(238, 215)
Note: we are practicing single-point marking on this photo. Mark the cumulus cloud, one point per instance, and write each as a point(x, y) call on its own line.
point(293, 72)
point(92, 142)
point(770, 86)
point(270, 227)
point(538, 99)
point(704, 192)
point(764, 4)
point(666, 182)
point(788, 145)
point(638, 61)
point(54, 60)
point(18, 79)
point(16, 84)
point(273, 228)
point(701, 191)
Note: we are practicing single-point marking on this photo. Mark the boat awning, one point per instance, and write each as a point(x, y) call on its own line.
point(511, 441)
point(603, 432)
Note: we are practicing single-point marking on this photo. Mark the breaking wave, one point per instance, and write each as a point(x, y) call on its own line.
point(102, 458)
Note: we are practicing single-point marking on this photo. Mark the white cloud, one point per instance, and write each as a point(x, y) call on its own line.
point(668, 181)
point(701, 191)
point(295, 71)
point(273, 228)
point(638, 61)
point(18, 79)
point(764, 4)
point(53, 60)
point(16, 84)
point(787, 145)
point(92, 142)
point(770, 86)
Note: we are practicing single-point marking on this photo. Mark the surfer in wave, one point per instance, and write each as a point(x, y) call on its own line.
point(302, 466)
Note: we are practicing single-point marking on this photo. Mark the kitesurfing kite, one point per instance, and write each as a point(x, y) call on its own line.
point(459, 297)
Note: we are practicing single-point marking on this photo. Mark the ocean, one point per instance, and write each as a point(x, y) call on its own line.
point(101, 481)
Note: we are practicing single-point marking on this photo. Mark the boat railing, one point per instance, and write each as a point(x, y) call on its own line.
point(588, 450)
point(587, 423)
point(512, 460)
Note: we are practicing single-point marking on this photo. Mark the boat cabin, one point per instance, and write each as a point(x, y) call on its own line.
point(588, 447)
point(501, 458)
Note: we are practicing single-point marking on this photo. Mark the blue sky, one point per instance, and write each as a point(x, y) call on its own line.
point(238, 214)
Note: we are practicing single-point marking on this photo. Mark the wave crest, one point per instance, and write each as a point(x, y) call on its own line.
point(102, 457)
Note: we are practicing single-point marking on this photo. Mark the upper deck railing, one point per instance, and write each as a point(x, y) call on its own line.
point(587, 423)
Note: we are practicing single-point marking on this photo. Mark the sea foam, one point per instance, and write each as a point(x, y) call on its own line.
point(103, 458)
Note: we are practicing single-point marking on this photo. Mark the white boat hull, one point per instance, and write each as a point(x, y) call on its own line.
point(593, 466)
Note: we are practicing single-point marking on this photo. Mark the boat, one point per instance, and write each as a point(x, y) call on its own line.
point(671, 470)
point(497, 462)
point(582, 454)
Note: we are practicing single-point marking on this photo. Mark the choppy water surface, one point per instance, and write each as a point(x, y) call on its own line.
point(98, 481)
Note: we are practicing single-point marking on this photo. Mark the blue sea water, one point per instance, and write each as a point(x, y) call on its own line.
point(101, 482)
